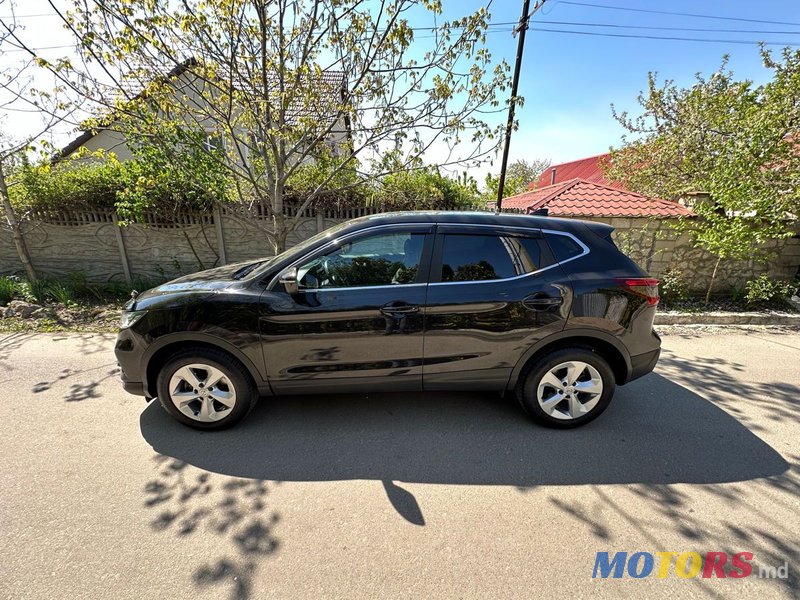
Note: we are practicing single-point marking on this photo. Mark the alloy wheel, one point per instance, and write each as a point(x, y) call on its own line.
point(570, 390)
point(202, 392)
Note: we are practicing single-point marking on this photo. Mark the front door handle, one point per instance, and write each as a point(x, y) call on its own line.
point(391, 310)
point(542, 301)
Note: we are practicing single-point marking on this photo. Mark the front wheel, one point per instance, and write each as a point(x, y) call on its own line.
point(567, 388)
point(206, 389)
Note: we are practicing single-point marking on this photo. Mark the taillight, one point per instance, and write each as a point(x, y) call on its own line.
point(642, 286)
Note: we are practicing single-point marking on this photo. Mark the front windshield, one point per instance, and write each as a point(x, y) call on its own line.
point(300, 248)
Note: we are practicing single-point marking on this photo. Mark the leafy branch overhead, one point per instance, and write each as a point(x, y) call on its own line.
point(285, 83)
point(727, 146)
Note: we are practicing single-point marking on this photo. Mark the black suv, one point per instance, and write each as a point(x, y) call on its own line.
point(546, 308)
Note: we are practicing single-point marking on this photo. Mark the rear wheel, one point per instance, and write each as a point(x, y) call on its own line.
point(567, 388)
point(206, 389)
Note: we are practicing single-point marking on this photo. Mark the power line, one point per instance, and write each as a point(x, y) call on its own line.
point(37, 49)
point(669, 38)
point(678, 14)
point(658, 28)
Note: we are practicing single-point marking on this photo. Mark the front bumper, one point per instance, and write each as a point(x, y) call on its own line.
point(129, 359)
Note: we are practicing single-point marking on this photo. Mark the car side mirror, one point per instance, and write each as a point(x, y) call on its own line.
point(289, 281)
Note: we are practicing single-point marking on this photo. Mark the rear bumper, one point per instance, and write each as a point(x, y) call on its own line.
point(642, 364)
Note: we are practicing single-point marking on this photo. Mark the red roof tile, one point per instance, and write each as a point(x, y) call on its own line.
point(582, 198)
point(588, 169)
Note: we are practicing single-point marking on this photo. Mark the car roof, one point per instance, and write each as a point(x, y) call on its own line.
point(471, 217)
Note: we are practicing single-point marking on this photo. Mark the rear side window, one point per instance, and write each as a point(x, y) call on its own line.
point(563, 247)
point(487, 257)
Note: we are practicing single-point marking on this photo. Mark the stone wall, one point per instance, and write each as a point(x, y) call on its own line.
point(93, 243)
point(656, 247)
point(107, 252)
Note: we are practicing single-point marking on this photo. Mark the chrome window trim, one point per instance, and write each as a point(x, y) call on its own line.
point(584, 248)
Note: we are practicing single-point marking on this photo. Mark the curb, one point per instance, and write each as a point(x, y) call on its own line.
point(727, 318)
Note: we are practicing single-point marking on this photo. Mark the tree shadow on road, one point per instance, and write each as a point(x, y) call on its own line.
point(232, 511)
point(655, 434)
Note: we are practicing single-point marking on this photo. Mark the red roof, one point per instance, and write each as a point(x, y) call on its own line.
point(588, 169)
point(582, 198)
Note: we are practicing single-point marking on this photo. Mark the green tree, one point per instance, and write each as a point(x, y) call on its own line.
point(519, 175)
point(282, 82)
point(734, 142)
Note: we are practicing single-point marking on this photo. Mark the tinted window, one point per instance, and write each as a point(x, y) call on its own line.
point(381, 259)
point(563, 247)
point(475, 258)
point(526, 254)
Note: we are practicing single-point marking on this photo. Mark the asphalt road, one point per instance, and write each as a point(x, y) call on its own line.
point(397, 496)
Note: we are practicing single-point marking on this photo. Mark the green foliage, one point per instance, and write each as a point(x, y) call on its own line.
point(8, 288)
point(33, 291)
point(673, 286)
point(154, 180)
point(519, 175)
point(175, 174)
point(61, 292)
point(730, 140)
point(763, 289)
point(331, 179)
point(80, 184)
point(421, 189)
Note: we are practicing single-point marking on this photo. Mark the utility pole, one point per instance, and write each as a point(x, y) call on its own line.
point(522, 27)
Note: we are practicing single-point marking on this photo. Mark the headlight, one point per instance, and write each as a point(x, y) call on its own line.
point(129, 317)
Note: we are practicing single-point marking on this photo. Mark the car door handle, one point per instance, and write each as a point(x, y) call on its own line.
point(542, 301)
point(390, 310)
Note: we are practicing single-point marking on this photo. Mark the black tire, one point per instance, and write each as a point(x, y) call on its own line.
point(526, 390)
point(235, 372)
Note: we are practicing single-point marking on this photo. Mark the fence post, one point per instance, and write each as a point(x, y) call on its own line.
point(320, 221)
point(123, 254)
point(220, 238)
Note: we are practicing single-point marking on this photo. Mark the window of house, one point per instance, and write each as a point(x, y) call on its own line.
point(214, 142)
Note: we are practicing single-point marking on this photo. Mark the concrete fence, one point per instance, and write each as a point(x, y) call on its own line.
point(94, 244)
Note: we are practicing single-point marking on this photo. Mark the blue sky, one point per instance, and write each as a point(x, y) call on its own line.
point(568, 81)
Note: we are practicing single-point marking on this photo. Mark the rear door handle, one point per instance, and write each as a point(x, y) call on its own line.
point(542, 301)
point(390, 310)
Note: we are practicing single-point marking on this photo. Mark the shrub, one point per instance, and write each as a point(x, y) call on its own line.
point(763, 290)
point(422, 189)
point(673, 286)
point(32, 291)
point(88, 184)
point(61, 292)
point(8, 288)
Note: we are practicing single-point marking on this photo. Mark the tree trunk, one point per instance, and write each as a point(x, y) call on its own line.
point(279, 234)
point(16, 228)
point(713, 277)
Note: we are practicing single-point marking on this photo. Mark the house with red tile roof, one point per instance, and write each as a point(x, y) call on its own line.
point(582, 198)
point(588, 169)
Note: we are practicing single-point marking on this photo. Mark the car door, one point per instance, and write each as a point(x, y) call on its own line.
point(494, 292)
point(356, 319)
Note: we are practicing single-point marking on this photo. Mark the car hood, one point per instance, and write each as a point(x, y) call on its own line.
point(190, 287)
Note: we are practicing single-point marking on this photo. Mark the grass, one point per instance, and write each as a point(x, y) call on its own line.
point(8, 288)
point(74, 303)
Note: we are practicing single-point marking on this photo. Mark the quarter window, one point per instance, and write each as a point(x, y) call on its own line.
point(563, 247)
point(382, 259)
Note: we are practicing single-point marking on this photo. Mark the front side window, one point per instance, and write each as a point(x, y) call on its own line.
point(381, 259)
point(487, 257)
